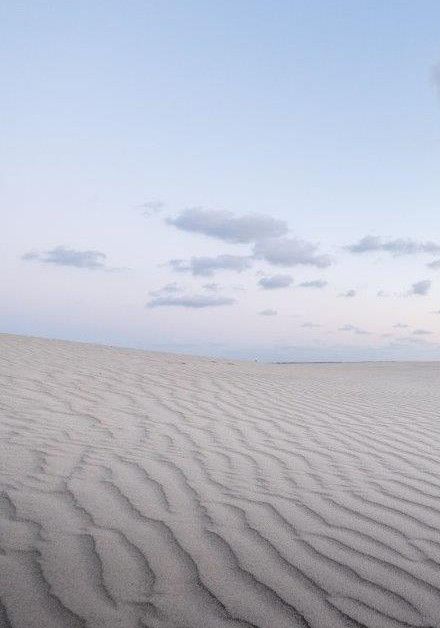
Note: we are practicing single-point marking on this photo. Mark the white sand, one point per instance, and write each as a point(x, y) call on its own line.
point(144, 489)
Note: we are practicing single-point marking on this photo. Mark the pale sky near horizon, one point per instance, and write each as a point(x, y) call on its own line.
point(233, 178)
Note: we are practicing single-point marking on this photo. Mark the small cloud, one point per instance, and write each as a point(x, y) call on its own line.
point(211, 287)
point(348, 294)
point(150, 208)
point(290, 252)
point(316, 283)
point(207, 266)
point(169, 288)
point(196, 301)
point(435, 265)
point(354, 329)
point(63, 256)
point(227, 227)
point(310, 325)
point(268, 312)
point(276, 281)
point(400, 326)
point(30, 255)
point(420, 288)
point(399, 246)
point(422, 332)
point(416, 340)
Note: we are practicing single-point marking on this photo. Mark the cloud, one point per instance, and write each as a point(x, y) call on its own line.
point(226, 226)
point(196, 301)
point(354, 329)
point(211, 287)
point(421, 288)
point(63, 256)
point(316, 283)
point(382, 294)
point(268, 312)
point(310, 325)
point(400, 326)
point(238, 288)
point(348, 294)
point(435, 265)
point(207, 266)
point(422, 332)
point(399, 246)
point(169, 288)
point(290, 252)
point(276, 281)
point(419, 340)
point(150, 208)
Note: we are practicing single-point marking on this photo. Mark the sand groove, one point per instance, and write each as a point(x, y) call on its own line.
point(163, 491)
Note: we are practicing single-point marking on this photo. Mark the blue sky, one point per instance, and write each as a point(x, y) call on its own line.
point(244, 141)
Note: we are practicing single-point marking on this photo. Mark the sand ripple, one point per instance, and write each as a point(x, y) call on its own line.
point(161, 491)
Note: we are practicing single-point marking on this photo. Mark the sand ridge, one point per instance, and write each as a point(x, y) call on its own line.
point(164, 491)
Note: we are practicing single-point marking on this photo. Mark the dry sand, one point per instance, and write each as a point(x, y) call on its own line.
point(142, 489)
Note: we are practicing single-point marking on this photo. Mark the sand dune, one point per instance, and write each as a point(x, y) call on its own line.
point(163, 491)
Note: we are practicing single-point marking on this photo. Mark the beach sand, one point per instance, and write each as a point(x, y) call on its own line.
point(164, 491)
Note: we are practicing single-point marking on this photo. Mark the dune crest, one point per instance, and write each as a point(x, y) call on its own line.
point(163, 491)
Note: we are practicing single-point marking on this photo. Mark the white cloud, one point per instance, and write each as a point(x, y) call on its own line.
point(290, 252)
point(227, 227)
point(63, 256)
point(399, 246)
point(275, 281)
point(196, 301)
point(315, 283)
point(421, 288)
point(207, 266)
point(348, 294)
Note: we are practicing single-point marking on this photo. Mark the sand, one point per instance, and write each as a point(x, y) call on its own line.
point(148, 489)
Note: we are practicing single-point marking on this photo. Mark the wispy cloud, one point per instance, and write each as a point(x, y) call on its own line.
point(207, 266)
point(400, 326)
point(169, 288)
point(348, 294)
point(268, 312)
point(195, 301)
point(227, 227)
point(417, 339)
point(310, 325)
point(422, 332)
point(420, 288)
point(290, 252)
point(398, 246)
point(354, 329)
point(63, 256)
point(151, 208)
point(315, 283)
point(275, 281)
point(435, 265)
point(211, 287)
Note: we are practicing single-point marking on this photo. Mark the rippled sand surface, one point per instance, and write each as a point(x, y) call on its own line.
point(141, 489)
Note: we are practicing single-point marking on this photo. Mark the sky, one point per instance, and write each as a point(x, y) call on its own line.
point(242, 179)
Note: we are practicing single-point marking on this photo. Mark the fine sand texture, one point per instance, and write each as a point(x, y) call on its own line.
point(153, 490)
